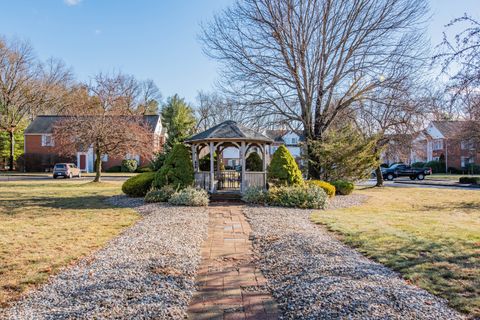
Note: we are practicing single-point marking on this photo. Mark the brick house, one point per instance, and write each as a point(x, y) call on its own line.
point(40, 155)
point(444, 141)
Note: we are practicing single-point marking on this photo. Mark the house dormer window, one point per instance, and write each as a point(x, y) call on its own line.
point(47, 140)
point(437, 144)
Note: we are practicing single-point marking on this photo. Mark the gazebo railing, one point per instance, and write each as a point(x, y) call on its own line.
point(254, 179)
point(202, 180)
point(228, 180)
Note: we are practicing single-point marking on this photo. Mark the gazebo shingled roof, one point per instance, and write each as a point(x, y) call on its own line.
point(229, 130)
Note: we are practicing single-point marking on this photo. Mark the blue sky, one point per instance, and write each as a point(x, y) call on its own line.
point(155, 39)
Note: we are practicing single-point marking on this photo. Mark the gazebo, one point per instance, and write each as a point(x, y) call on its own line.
point(229, 134)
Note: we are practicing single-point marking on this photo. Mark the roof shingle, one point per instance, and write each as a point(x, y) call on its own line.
point(230, 130)
point(44, 124)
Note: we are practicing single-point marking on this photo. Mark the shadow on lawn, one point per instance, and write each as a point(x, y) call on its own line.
point(86, 202)
point(463, 205)
point(448, 269)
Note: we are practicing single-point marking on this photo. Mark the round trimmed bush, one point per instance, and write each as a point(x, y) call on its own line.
point(343, 187)
point(469, 180)
point(306, 196)
point(327, 187)
point(159, 195)
point(129, 165)
point(283, 169)
point(177, 169)
point(139, 185)
point(189, 197)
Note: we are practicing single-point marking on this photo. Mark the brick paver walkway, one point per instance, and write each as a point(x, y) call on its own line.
point(229, 285)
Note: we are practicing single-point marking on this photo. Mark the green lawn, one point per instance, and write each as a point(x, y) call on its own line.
point(46, 225)
point(430, 236)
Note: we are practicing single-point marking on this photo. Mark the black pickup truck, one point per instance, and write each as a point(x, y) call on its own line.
point(402, 170)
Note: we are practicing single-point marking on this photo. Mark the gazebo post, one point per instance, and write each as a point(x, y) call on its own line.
point(242, 159)
point(212, 169)
point(264, 149)
point(194, 158)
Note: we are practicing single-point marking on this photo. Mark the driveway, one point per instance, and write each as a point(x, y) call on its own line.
point(407, 183)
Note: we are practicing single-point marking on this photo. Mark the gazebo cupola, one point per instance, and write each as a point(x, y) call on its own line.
point(229, 134)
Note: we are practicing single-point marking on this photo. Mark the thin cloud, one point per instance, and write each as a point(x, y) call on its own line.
point(72, 3)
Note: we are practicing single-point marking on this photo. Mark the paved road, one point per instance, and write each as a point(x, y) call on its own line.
point(398, 184)
point(37, 178)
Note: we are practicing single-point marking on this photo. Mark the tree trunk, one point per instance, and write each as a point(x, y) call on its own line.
point(378, 173)
point(314, 170)
point(12, 150)
point(98, 166)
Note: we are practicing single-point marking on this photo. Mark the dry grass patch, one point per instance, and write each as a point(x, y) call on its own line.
point(431, 236)
point(45, 225)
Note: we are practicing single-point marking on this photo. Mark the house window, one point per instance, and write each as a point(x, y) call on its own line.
point(467, 145)
point(294, 140)
point(438, 144)
point(105, 158)
point(465, 161)
point(133, 157)
point(47, 140)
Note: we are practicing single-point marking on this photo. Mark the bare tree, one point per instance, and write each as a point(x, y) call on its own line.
point(391, 116)
point(150, 98)
point(108, 119)
point(460, 60)
point(213, 108)
point(306, 61)
point(27, 87)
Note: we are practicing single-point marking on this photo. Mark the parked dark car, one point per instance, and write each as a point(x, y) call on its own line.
point(66, 170)
point(402, 170)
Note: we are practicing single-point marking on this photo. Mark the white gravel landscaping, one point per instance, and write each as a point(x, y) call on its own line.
point(312, 275)
point(145, 273)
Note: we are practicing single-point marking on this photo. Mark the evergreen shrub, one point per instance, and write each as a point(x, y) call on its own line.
point(283, 169)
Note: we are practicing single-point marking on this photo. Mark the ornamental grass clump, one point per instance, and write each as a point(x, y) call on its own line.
point(189, 197)
point(160, 195)
point(139, 185)
point(283, 169)
point(327, 187)
point(306, 196)
point(255, 195)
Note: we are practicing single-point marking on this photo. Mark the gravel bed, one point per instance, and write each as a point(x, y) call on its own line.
point(145, 273)
point(339, 202)
point(312, 275)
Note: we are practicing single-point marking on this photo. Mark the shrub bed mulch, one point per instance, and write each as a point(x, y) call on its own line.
point(312, 275)
point(145, 273)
